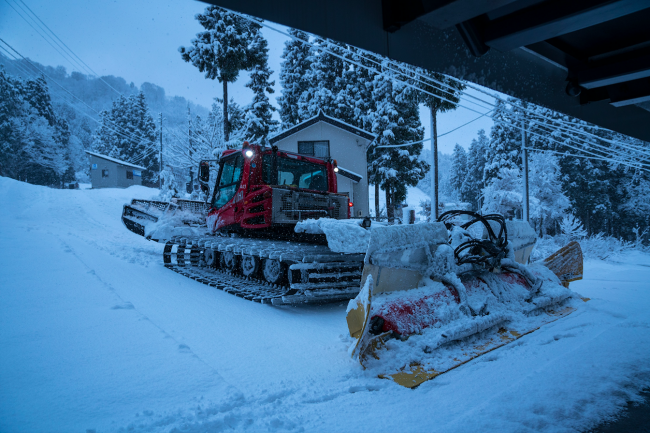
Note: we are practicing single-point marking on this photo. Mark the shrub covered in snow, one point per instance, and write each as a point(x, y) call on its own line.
point(598, 246)
point(572, 228)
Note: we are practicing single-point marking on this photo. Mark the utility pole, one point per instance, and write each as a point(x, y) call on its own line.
point(434, 166)
point(189, 148)
point(524, 156)
point(161, 161)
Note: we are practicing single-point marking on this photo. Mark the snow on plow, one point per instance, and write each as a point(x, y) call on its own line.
point(434, 297)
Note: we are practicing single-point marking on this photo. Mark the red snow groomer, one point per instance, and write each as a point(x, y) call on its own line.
point(260, 189)
point(242, 239)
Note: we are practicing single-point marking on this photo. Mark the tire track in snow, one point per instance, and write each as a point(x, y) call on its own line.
point(123, 304)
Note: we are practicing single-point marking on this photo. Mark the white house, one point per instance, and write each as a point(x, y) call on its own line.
point(326, 137)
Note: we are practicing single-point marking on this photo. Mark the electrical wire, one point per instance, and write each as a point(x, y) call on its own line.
point(452, 91)
point(429, 139)
point(591, 151)
point(69, 49)
point(62, 45)
point(399, 70)
point(612, 161)
point(118, 132)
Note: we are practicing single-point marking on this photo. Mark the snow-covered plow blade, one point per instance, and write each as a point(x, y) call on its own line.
point(160, 220)
point(434, 297)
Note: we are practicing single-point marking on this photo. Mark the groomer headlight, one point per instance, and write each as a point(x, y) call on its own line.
point(336, 166)
point(249, 153)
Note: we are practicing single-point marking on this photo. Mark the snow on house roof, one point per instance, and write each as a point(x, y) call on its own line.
point(118, 161)
point(322, 117)
point(356, 177)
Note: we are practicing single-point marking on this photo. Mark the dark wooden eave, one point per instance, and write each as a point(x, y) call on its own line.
point(586, 58)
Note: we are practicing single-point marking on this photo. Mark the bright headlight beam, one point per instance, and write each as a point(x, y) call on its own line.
point(249, 153)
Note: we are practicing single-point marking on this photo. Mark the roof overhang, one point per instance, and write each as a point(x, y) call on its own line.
point(354, 177)
point(115, 160)
point(586, 58)
point(321, 117)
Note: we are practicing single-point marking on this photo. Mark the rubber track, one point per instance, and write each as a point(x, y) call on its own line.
point(189, 260)
point(233, 284)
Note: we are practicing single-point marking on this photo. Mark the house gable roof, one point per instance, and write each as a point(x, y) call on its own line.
point(118, 161)
point(321, 117)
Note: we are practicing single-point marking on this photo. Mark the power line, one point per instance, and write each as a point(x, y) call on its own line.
point(64, 55)
point(68, 51)
point(122, 134)
point(610, 160)
point(465, 124)
point(79, 62)
point(399, 70)
point(463, 93)
point(451, 92)
point(624, 157)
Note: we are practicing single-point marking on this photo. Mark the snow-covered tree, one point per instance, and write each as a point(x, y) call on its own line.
point(127, 132)
point(504, 192)
point(169, 185)
point(33, 140)
point(472, 188)
point(258, 121)
point(549, 202)
point(440, 94)
point(223, 50)
point(324, 79)
point(143, 147)
point(204, 139)
point(572, 227)
point(294, 72)
point(395, 121)
point(458, 169)
point(504, 147)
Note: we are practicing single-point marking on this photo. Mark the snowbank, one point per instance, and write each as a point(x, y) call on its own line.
point(343, 236)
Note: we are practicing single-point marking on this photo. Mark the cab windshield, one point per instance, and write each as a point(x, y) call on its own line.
point(295, 173)
point(228, 181)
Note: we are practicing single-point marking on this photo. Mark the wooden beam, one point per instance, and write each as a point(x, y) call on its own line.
point(554, 18)
point(620, 72)
point(634, 92)
point(443, 14)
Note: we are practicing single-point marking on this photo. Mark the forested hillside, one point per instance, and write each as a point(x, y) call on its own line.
point(74, 101)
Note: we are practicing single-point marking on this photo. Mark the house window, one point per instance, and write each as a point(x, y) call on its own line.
point(129, 174)
point(318, 149)
point(105, 172)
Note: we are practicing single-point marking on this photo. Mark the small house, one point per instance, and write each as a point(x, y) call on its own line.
point(326, 137)
point(107, 172)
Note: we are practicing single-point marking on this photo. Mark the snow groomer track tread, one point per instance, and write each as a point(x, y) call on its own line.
point(315, 264)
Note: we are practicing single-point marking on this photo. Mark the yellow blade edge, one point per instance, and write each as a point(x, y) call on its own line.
point(413, 375)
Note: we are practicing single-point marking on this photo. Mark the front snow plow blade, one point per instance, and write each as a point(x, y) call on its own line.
point(134, 218)
point(159, 220)
point(424, 309)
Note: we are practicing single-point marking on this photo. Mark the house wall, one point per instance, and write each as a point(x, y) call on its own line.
point(348, 149)
point(116, 174)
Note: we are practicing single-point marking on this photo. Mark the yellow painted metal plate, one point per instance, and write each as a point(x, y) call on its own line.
point(413, 375)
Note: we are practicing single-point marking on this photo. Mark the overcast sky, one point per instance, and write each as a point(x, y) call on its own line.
point(139, 39)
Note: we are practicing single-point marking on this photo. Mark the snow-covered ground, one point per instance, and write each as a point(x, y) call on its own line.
point(97, 335)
